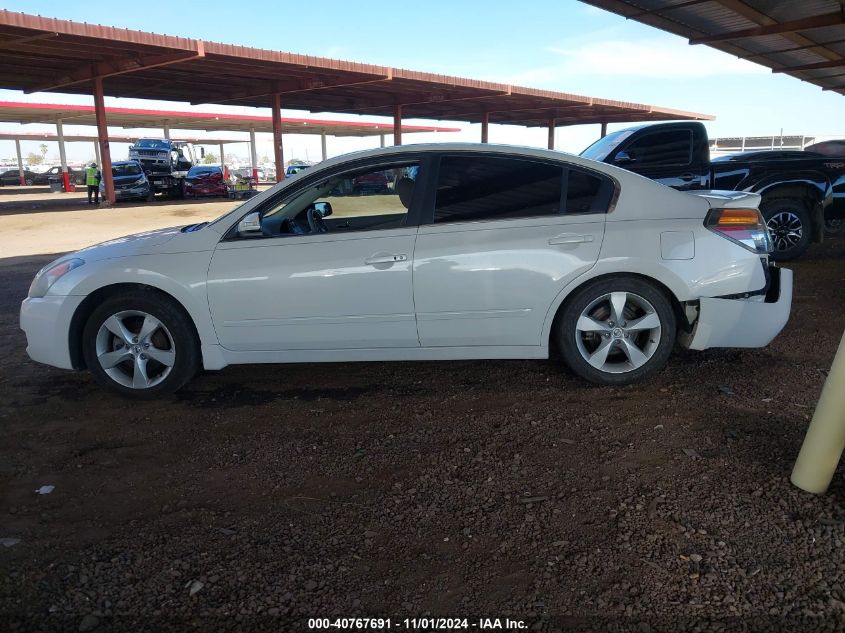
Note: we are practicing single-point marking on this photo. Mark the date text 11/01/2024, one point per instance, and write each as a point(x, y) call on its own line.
point(427, 624)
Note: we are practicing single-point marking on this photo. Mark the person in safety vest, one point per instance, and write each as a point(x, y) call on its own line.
point(92, 179)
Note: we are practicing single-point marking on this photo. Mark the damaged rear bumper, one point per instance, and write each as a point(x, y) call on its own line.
point(743, 322)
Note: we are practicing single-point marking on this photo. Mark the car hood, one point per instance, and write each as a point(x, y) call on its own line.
point(146, 243)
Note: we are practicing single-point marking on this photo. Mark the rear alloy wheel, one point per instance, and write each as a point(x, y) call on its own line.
point(789, 227)
point(617, 331)
point(140, 344)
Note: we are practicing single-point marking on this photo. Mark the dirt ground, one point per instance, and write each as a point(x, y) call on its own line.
point(34, 221)
point(261, 496)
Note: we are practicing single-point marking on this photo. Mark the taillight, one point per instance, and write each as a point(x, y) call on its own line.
point(745, 227)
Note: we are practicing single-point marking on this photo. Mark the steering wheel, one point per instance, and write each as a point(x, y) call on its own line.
point(315, 222)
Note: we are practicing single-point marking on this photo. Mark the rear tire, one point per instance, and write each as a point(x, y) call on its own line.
point(834, 227)
point(141, 344)
point(790, 227)
point(616, 331)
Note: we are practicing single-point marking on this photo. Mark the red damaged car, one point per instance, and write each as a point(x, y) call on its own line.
point(207, 180)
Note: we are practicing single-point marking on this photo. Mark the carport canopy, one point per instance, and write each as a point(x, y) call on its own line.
point(58, 114)
point(803, 39)
point(50, 55)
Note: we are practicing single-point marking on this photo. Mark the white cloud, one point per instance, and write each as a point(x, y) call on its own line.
point(660, 57)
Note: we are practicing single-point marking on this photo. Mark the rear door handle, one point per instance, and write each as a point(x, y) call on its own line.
point(570, 238)
point(386, 259)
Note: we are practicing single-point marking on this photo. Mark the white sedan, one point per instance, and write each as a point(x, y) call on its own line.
point(428, 252)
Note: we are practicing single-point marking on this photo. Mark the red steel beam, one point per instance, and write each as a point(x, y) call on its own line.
point(804, 24)
point(103, 139)
point(278, 150)
point(397, 124)
point(119, 67)
point(832, 63)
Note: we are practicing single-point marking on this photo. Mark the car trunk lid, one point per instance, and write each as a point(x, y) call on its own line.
point(729, 199)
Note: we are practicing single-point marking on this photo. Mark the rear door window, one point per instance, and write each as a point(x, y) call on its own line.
point(473, 188)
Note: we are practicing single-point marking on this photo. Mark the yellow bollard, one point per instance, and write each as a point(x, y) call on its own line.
point(825, 439)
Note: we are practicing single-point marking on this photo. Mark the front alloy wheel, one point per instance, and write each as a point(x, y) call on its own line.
point(142, 344)
point(616, 330)
point(790, 227)
point(135, 349)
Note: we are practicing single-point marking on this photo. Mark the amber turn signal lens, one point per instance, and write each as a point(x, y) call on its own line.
point(734, 217)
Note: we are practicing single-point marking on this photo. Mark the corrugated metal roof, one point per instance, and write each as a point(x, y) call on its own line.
point(45, 54)
point(785, 35)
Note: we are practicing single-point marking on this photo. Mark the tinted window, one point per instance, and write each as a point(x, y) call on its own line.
point(583, 193)
point(201, 171)
point(128, 169)
point(484, 188)
point(672, 147)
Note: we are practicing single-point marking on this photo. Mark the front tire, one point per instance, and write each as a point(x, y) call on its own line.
point(790, 227)
point(617, 330)
point(141, 344)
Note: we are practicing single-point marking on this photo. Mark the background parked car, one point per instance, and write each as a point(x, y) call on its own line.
point(130, 182)
point(800, 190)
point(77, 176)
point(207, 180)
point(293, 170)
point(12, 177)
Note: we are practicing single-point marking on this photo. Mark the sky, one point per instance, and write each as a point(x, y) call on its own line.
point(560, 45)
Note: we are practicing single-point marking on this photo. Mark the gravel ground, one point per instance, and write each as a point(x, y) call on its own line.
point(263, 495)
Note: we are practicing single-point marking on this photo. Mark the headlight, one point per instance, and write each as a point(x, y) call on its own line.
point(46, 277)
point(138, 182)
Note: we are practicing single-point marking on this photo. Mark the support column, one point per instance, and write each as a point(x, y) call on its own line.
point(397, 124)
point(166, 130)
point(253, 155)
point(222, 160)
point(103, 137)
point(603, 129)
point(323, 144)
point(62, 155)
point(97, 153)
point(381, 136)
point(278, 149)
point(551, 133)
point(485, 127)
point(20, 162)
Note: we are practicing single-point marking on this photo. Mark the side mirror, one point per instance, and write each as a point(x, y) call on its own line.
point(323, 208)
point(250, 224)
point(623, 158)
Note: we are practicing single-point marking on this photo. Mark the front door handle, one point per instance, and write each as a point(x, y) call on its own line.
point(570, 238)
point(688, 177)
point(386, 258)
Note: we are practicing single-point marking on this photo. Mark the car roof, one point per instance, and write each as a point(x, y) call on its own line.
point(514, 151)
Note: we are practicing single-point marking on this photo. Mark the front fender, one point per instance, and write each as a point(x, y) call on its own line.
point(180, 275)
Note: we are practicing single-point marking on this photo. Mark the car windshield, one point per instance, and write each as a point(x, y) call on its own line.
point(152, 143)
point(601, 148)
point(129, 169)
point(202, 171)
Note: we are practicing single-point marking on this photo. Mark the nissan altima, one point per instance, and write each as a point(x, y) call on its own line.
point(464, 251)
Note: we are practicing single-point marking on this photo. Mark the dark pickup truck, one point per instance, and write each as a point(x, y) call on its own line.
point(801, 190)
